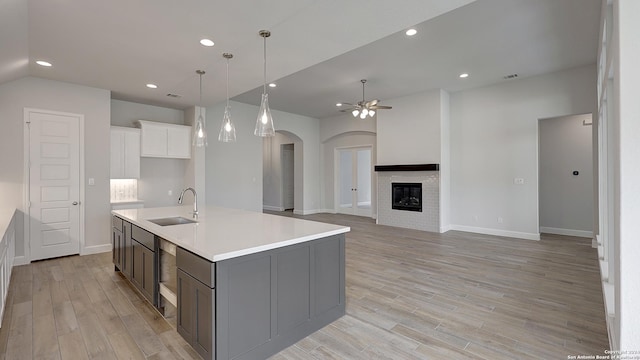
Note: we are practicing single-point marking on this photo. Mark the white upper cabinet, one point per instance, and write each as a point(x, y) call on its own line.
point(125, 153)
point(165, 140)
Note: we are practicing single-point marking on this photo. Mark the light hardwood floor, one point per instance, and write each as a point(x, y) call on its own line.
point(410, 295)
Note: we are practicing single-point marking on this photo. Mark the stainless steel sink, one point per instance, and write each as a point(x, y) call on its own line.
point(177, 220)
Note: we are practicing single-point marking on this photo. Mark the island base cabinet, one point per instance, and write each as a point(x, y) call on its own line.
point(195, 315)
point(268, 301)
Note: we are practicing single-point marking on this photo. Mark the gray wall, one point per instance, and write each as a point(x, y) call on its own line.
point(157, 176)
point(494, 140)
point(31, 92)
point(566, 200)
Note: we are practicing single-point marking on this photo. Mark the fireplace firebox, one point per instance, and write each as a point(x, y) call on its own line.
point(406, 196)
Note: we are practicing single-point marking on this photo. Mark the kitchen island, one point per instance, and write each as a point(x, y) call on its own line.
point(245, 285)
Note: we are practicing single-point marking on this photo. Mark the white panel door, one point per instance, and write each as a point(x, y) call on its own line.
point(353, 186)
point(54, 184)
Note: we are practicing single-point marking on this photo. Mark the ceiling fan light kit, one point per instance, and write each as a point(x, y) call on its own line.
point(364, 108)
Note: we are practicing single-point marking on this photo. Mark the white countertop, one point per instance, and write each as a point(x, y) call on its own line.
point(223, 233)
point(128, 201)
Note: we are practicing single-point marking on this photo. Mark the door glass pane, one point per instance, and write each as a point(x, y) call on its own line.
point(364, 178)
point(345, 174)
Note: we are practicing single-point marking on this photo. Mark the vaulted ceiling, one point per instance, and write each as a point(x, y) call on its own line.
point(317, 54)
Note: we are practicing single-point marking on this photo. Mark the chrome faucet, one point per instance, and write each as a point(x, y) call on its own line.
point(195, 200)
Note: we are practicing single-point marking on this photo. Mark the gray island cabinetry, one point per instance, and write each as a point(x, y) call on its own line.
point(248, 290)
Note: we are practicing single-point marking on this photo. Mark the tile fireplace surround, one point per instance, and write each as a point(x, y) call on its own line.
point(429, 176)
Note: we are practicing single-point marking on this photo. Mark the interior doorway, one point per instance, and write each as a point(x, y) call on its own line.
point(566, 193)
point(287, 152)
point(353, 181)
point(53, 170)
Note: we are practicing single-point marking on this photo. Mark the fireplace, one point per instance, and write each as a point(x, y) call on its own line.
point(406, 196)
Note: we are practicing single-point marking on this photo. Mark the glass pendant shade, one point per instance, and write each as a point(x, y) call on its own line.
point(227, 130)
point(355, 113)
point(264, 123)
point(199, 129)
point(200, 132)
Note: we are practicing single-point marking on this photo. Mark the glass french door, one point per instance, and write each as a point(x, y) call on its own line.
point(354, 181)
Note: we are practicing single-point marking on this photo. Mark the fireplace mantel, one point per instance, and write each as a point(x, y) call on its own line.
point(408, 167)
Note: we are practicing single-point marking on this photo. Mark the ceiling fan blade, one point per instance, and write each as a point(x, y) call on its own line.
point(380, 107)
point(372, 102)
point(349, 104)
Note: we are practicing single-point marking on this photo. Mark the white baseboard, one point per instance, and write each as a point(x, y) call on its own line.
point(445, 228)
point(307, 212)
point(96, 249)
point(569, 232)
point(272, 208)
point(20, 260)
point(497, 232)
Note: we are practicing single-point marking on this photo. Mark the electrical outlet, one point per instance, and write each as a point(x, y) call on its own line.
point(500, 220)
point(170, 192)
point(475, 218)
point(92, 181)
point(518, 181)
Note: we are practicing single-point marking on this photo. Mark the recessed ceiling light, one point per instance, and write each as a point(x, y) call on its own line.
point(43, 63)
point(272, 85)
point(339, 104)
point(152, 86)
point(464, 75)
point(411, 32)
point(206, 42)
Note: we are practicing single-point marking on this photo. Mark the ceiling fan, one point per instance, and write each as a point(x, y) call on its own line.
point(364, 108)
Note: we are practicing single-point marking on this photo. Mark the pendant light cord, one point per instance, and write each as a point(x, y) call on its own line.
point(227, 82)
point(264, 89)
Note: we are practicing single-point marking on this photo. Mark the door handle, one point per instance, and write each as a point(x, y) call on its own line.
point(74, 203)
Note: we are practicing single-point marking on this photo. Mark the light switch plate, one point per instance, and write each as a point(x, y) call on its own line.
point(92, 181)
point(518, 181)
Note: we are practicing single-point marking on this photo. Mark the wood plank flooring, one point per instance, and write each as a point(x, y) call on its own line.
point(410, 295)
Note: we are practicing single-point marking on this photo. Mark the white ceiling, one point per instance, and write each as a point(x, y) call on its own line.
point(318, 51)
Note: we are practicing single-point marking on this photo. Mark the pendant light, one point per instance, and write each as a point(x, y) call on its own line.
point(264, 123)
point(227, 130)
point(199, 130)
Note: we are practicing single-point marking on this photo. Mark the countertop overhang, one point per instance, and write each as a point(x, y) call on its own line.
point(223, 233)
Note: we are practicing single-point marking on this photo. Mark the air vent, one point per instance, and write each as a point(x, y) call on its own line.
point(174, 95)
point(510, 76)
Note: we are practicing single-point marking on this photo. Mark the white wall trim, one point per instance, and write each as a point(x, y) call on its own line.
point(96, 249)
point(20, 260)
point(445, 228)
point(497, 232)
point(272, 208)
point(569, 232)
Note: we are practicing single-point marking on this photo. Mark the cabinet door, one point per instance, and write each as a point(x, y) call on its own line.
point(131, 167)
point(117, 154)
point(179, 142)
point(203, 333)
point(116, 237)
point(136, 268)
point(195, 315)
point(126, 250)
point(154, 141)
point(185, 291)
point(148, 283)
